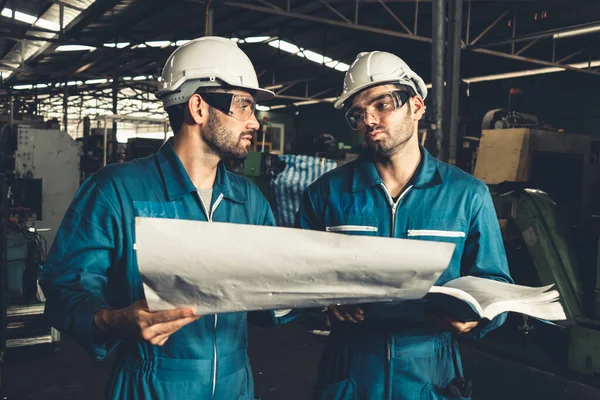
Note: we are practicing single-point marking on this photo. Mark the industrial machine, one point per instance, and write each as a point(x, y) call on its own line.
point(545, 185)
point(142, 147)
point(110, 139)
point(260, 168)
point(41, 171)
point(3, 276)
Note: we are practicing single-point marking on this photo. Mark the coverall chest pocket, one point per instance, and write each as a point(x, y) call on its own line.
point(439, 230)
point(352, 224)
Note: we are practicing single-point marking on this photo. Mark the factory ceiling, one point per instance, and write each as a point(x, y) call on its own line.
point(107, 54)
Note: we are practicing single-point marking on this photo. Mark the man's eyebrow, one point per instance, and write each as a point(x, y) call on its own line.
point(381, 96)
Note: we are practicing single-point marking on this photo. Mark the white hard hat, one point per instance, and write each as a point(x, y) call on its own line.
point(377, 67)
point(208, 61)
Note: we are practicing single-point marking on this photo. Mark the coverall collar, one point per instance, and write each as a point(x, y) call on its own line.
point(178, 182)
point(366, 175)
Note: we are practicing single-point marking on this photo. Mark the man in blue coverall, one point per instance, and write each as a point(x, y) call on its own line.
point(397, 189)
point(91, 280)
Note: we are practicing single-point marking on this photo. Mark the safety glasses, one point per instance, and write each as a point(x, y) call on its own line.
point(378, 106)
point(237, 106)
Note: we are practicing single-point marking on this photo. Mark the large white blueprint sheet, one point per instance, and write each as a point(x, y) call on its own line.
point(222, 267)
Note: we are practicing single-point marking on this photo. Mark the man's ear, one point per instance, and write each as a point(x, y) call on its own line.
point(417, 107)
point(197, 109)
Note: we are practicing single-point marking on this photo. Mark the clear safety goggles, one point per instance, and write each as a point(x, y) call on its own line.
point(235, 105)
point(378, 106)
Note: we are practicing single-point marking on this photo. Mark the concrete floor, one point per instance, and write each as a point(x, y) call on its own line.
point(284, 362)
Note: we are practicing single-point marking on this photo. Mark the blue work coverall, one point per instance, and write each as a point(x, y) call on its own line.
point(92, 265)
point(396, 352)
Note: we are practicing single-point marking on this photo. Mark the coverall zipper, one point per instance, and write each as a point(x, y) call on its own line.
point(388, 382)
point(209, 216)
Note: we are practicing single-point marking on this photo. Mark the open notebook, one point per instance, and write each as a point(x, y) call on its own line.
point(471, 298)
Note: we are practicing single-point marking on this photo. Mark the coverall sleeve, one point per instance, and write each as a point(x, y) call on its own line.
point(484, 254)
point(271, 317)
point(75, 276)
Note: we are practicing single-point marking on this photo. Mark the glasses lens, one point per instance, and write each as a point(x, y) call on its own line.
point(355, 116)
point(381, 106)
point(378, 106)
point(242, 107)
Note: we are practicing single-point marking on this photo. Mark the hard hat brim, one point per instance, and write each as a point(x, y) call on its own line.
point(262, 94)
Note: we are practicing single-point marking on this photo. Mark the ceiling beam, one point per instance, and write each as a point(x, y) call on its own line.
point(395, 17)
point(528, 45)
point(336, 12)
point(534, 61)
point(538, 35)
point(327, 21)
point(406, 36)
point(68, 5)
point(489, 27)
point(151, 7)
point(82, 20)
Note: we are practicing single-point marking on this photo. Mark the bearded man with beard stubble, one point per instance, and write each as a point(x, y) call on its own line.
point(397, 189)
point(91, 280)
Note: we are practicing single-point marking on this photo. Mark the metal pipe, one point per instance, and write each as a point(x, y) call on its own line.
point(208, 23)
point(490, 26)
point(453, 76)
point(304, 98)
point(468, 24)
point(416, 16)
point(395, 17)
point(437, 74)
point(285, 88)
point(562, 60)
point(336, 12)
point(11, 118)
point(87, 126)
point(61, 19)
point(63, 3)
point(314, 96)
point(66, 107)
point(115, 110)
point(105, 137)
point(514, 32)
point(269, 4)
point(521, 50)
point(277, 85)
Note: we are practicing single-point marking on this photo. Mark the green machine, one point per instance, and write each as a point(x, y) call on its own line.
point(556, 260)
point(260, 168)
point(546, 186)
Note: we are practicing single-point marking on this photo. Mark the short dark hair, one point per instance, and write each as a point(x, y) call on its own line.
point(176, 117)
point(176, 113)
